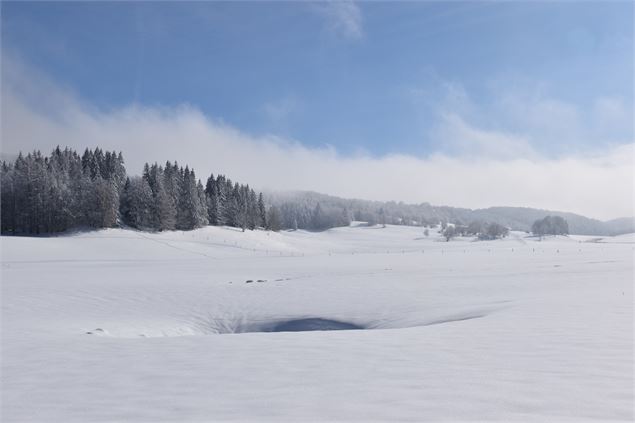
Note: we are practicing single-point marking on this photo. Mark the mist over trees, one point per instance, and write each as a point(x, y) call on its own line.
point(424, 214)
point(311, 216)
point(550, 225)
point(67, 190)
point(313, 211)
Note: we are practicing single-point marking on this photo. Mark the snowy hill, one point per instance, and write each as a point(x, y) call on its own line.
point(119, 325)
point(516, 218)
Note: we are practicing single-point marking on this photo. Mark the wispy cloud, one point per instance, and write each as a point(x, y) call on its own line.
point(488, 167)
point(613, 116)
point(462, 139)
point(342, 18)
point(519, 116)
point(279, 111)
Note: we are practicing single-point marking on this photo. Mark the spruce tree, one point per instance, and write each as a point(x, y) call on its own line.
point(262, 212)
point(211, 200)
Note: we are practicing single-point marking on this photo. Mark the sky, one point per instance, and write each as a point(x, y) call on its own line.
point(469, 104)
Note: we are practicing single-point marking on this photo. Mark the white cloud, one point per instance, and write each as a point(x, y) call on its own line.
point(466, 141)
point(525, 112)
point(490, 168)
point(279, 111)
point(612, 115)
point(342, 18)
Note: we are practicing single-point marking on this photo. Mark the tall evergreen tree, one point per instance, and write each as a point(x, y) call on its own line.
point(262, 212)
point(220, 203)
point(211, 199)
point(252, 209)
point(137, 203)
point(191, 209)
point(273, 219)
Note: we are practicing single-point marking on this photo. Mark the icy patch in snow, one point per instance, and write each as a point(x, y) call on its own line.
point(244, 325)
point(313, 323)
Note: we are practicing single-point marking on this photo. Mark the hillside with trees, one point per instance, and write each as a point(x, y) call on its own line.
point(49, 194)
point(297, 206)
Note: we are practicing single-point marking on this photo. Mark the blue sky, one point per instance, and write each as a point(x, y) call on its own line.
point(469, 104)
point(370, 77)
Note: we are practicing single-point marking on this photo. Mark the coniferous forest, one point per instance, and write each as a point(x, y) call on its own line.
point(65, 191)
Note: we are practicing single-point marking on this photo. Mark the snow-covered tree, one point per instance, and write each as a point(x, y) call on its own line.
point(273, 219)
point(262, 212)
point(550, 225)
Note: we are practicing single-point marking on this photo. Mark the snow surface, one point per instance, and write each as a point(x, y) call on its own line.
point(118, 325)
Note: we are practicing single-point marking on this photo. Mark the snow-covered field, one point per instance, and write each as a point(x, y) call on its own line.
point(119, 325)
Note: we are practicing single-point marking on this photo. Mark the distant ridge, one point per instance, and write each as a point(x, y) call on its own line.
point(516, 218)
point(521, 218)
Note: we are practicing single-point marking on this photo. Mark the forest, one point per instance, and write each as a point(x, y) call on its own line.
point(49, 194)
point(65, 190)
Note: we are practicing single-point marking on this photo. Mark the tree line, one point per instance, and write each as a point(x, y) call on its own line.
point(47, 194)
point(66, 190)
point(550, 225)
point(482, 230)
point(314, 211)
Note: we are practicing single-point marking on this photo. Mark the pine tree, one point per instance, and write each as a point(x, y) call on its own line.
point(212, 200)
point(202, 213)
point(171, 185)
point(106, 203)
point(273, 219)
point(192, 209)
point(126, 204)
point(8, 196)
point(252, 209)
point(163, 206)
point(232, 207)
point(137, 202)
point(241, 206)
point(220, 203)
point(262, 212)
point(184, 219)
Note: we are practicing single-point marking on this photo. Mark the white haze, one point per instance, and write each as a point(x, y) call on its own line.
point(488, 169)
